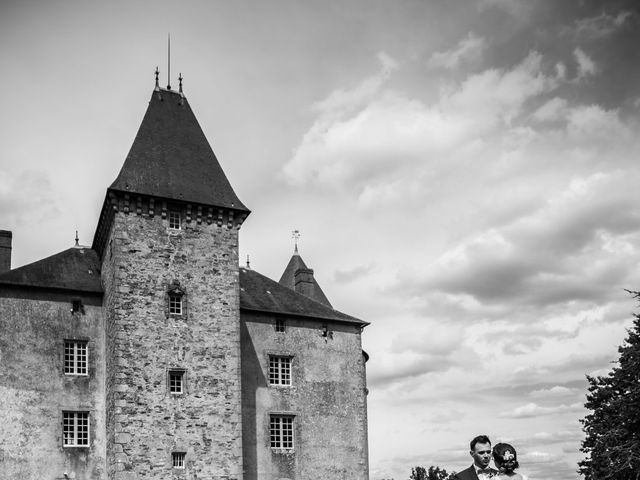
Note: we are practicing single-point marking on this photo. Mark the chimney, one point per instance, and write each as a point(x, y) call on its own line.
point(304, 283)
point(5, 250)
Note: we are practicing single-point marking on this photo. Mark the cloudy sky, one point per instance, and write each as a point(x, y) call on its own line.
point(463, 173)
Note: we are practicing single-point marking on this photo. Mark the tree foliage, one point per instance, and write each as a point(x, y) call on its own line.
point(612, 441)
point(433, 473)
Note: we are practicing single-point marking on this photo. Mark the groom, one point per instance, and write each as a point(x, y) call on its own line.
point(481, 454)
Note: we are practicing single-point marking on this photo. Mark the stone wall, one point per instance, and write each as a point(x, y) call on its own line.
point(327, 398)
point(34, 390)
point(145, 422)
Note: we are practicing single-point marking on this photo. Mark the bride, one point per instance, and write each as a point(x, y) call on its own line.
point(506, 460)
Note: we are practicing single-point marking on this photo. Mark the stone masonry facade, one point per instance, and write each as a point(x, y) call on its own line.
point(147, 422)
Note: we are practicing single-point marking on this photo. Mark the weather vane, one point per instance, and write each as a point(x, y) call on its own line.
point(295, 235)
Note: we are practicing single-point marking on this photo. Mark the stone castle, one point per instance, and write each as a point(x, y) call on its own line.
point(153, 355)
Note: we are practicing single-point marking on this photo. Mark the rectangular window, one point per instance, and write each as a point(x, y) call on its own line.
point(177, 459)
point(75, 429)
point(176, 381)
point(280, 325)
point(281, 431)
point(279, 370)
point(75, 357)
point(175, 304)
point(174, 220)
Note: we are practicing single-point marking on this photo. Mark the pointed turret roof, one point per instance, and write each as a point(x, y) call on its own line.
point(288, 279)
point(171, 157)
point(77, 268)
point(260, 293)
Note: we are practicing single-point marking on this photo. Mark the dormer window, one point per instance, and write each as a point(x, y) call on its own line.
point(176, 299)
point(175, 220)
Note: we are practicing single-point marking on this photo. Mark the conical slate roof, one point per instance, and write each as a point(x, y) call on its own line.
point(288, 278)
point(76, 268)
point(260, 293)
point(171, 157)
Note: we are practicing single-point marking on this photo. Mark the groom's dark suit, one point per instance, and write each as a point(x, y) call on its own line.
point(470, 473)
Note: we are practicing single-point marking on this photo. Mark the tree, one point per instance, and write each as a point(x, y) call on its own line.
point(434, 473)
point(612, 442)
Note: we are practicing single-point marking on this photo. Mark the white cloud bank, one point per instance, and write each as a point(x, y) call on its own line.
point(516, 231)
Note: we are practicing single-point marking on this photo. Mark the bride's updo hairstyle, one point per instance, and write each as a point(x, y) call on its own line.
point(505, 457)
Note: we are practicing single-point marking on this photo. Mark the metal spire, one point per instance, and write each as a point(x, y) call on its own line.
point(295, 235)
point(168, 61)
point(157, 78)
point(180, 80)
point(77, 239)
point(248, 263)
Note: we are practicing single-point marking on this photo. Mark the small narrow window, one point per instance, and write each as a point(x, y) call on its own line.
point(174, 220)
point(281, 431)
point(279, 370)
point(176, 381)
point(176, 299)
point(177, 459)
point(75, 429)
point(281, 326)
point(175, 304)
point(75, 357)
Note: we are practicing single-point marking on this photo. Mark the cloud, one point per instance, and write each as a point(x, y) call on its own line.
point(552, 110)
point(559, 436)
point(469, 48)
point(369, 138)
point(404, 368)
point(557, 253)
point(600, 26)
point(557, 391)
point(586, 66)
point(534, 410)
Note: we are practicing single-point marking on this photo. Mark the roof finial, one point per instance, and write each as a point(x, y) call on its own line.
point(168, 61)
point(180, 80)
point(248, 263)
point(77, 239)
point(157, 79)
point(295, 235)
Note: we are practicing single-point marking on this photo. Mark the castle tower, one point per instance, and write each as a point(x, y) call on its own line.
point(167, 238)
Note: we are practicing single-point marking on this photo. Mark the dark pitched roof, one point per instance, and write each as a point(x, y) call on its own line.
point(77, 268)
point(260, 293)
point(171, 157)
point(288, 278)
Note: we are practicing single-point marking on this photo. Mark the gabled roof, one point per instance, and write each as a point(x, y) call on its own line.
point(171, 157)
point(77, 268)
point(288, 278)
point(260, 293)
